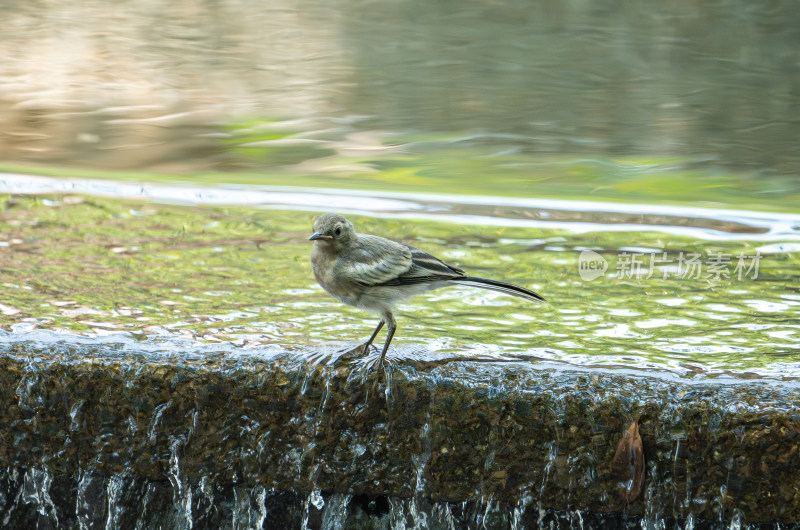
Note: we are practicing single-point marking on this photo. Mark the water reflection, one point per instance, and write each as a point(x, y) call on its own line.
point(194, 85)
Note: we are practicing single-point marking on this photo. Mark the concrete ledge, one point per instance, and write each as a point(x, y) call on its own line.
point(514, 434)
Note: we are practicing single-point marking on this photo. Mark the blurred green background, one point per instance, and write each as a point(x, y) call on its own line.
point(680, 101)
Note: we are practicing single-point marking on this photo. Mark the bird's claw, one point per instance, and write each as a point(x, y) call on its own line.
point(366, 346)
point(357, 352)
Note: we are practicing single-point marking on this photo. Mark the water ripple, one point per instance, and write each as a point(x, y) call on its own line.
point(573, 215)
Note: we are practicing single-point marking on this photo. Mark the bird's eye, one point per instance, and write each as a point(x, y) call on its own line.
point(338, 231)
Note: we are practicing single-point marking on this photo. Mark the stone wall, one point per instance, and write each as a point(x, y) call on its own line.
point(510, 435)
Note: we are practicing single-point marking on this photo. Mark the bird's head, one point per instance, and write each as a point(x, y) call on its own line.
point(333, 230)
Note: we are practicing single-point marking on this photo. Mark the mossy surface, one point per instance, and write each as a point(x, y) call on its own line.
point(447, 430)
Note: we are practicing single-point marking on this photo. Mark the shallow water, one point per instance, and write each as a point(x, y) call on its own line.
point(239, 274)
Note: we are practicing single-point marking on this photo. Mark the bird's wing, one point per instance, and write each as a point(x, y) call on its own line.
point(375, 261)
point(425, 268)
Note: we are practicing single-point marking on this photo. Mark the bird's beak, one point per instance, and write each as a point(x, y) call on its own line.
point(317, 235)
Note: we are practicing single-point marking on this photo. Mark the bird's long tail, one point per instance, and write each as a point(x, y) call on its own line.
point(500, 287)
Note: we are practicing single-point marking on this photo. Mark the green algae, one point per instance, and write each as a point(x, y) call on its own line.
point(408, 164)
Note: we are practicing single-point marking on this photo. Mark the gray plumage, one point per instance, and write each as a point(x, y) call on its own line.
point(374, 273)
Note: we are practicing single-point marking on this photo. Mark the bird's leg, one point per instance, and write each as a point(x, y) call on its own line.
point(392, 326)
point(389, 336)
point(372, 338)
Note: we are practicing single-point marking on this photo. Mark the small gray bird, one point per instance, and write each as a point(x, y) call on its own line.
point(374, 273)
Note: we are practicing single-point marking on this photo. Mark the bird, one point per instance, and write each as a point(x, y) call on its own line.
point(374, 273)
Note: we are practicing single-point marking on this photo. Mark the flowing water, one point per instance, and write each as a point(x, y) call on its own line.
point(150, 283)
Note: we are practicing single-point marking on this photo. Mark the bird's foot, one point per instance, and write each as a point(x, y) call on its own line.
point(354, 353)
point(366, 346)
